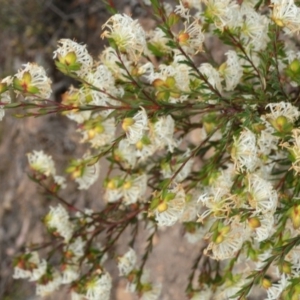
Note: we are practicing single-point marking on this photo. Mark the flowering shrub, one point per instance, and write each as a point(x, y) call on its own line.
point(236, 191)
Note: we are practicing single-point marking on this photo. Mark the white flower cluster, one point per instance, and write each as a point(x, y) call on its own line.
point(128, 35)
point(33, 82)
point(70, 52)
point(234, 186)
point(57, 220)
point(43, 164)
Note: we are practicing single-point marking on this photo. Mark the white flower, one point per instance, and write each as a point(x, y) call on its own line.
point(254, 28)
point(58, 219)
point(182, 74)
point(87, 174)
point(266, 227)
point(126, 153)
point(284, 109)
point(192, 38)
point(218, 204)
point(261, 195)
point(146, 146)
point(174, 78)
point(99, 287)
point(286, 14)
point(52, 285)
point(244, 151)
point(135, 126)
point(222, 184)
point(231, 243)
point(76, 249)
point(82, 57)
point(127, 262)
point(169, 169)
point(170, 211)
point(212, 76)
point(134, 188)
point(60, 180)
point(163, 132)
point(41, 163)
point(294, 149)
point(159, 40)
point(98, 130)
point(103, 89)
point(33, 81)
point(69, 274)
point(36, 268)
point(74, 98)
point(222, 12)
point(182, 10)
point(276, 289)
point(191, 209)
point(231, 70)
point(111, 60)
point(102, 78)
point(266, 140)
point(128, 35)
point(112, 194)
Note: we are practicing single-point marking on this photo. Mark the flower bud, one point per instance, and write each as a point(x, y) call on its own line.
point(294, 214)
point(127, 122)
point(219, 239)
point(68, 59)
point(111, 185)
point(158, 83)
point(254, 222)
point(139, 145)
point(285, 267)
point(170, 82)
point(281, 124)
point(183, 38)
point(266, 283)
point(278, 22)
point(295, 66)
point(127, 185)
point(162, 207)
point(91, 134)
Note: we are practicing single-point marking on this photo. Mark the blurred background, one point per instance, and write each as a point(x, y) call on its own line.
point(29, 31)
